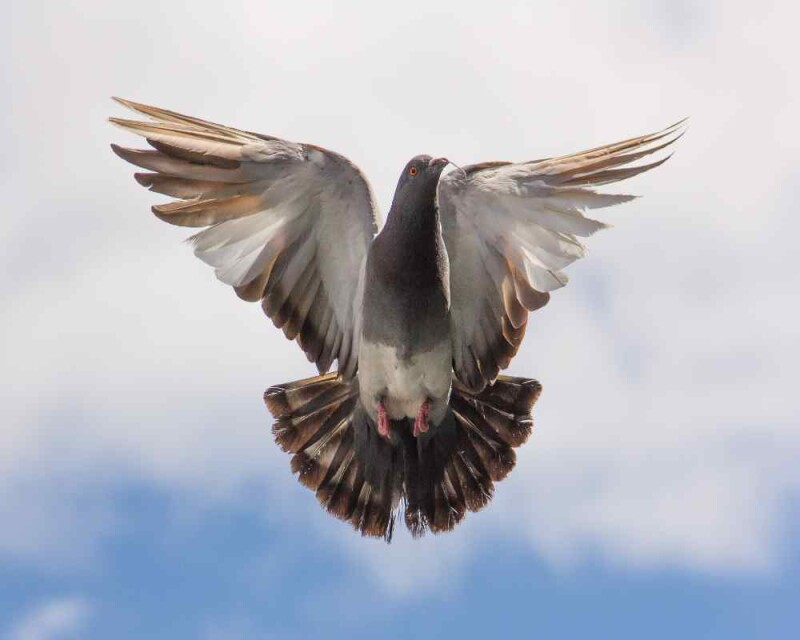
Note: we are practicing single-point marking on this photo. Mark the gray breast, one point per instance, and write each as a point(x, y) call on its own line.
point(405, 354)
point(406, 295)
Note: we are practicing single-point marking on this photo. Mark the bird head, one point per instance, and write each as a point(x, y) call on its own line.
point(422, 170)
point(416, 188)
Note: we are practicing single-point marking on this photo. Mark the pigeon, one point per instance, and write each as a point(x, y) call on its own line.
point(409, 323)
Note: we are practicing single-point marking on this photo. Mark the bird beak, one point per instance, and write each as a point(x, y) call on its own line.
point(438, 162)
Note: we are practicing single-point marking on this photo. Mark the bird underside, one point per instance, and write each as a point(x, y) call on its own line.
point(395, 386)
point(431, 477)
point(421, 420)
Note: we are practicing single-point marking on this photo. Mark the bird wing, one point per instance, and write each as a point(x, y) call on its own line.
point(510, 229)
point(286, 223)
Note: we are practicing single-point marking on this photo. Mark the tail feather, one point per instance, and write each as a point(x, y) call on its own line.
point(303, 409)
point(365, 479)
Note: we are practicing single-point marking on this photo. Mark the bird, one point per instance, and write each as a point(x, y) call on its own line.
point(409, 323)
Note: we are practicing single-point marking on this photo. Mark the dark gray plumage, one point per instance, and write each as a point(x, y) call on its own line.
point(407, 266)
point(420, 318)
point(405, 356)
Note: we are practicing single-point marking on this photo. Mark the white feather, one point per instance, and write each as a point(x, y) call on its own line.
point(293, 191)
point(526, 217)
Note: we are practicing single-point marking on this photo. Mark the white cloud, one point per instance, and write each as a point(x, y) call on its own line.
point(666, 430)
point(52, 620)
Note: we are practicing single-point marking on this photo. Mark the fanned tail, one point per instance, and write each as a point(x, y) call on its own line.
point(321, 422)
point(460, 460)
point(363, 478)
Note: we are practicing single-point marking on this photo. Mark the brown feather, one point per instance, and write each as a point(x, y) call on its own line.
point(311, 336)
point(298, 302)
point(178, 187)
point(187, 137)
point(294, 434)
point(438, 477)
point(298, 398)
point(157, 161)
point(614, 175)
point(516, 312)
point(497, 457)
point(530, 298)
point(203, 213)
point(592, 166)
point(253, 291)
point(196, 157)
point(165, 115)
point(515, 396)
point(615, 147)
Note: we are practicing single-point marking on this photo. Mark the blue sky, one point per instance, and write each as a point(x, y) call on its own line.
point(140, 492)
point(231, 574)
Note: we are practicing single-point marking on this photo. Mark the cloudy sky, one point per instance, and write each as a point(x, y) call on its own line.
point(140, 492)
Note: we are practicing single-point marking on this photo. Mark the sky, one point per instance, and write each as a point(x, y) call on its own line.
point(141, 494)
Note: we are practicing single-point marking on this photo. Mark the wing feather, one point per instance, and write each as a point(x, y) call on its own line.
point(511, 228)
point(285, 223)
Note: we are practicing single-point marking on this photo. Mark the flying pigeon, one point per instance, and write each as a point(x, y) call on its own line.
point(420, 315)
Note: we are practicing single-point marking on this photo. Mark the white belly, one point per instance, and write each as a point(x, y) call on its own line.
point(404, 384)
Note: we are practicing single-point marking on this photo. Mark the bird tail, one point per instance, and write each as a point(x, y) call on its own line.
point(320, 420)
point(365, 479)
point(459, 460)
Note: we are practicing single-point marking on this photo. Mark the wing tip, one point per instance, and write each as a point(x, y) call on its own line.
point(625, 198)
point(136, 127)
point(125, 124)
point(673, 133)
point(130, 104)
point(677, 125)
point(144, 179)
point(683, 122)
point(657, 163)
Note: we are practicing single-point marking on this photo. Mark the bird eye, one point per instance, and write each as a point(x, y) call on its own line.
point(412, 171)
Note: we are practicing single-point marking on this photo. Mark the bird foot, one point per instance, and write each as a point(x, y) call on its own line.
point(421, 421)
point(383, 420)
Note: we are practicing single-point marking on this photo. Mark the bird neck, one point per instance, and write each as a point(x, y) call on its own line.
point(413, 247)
point(413, 221)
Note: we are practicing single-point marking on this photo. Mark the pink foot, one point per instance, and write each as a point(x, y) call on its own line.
point(421, 421)
point(383, 420)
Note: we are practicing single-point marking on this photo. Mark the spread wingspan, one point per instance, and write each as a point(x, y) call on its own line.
point(286, 223)
point(510, 229)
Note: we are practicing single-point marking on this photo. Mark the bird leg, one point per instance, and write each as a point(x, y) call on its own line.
point(383, 420)
point(421, 421)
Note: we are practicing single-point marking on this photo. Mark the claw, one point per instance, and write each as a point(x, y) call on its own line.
point(383, 420)
point(421, 421)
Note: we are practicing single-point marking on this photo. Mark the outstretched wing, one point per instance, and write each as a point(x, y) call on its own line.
point(288, 224)
point(510, 228)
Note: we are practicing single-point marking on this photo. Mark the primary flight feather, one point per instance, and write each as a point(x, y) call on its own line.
point(420, 315)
